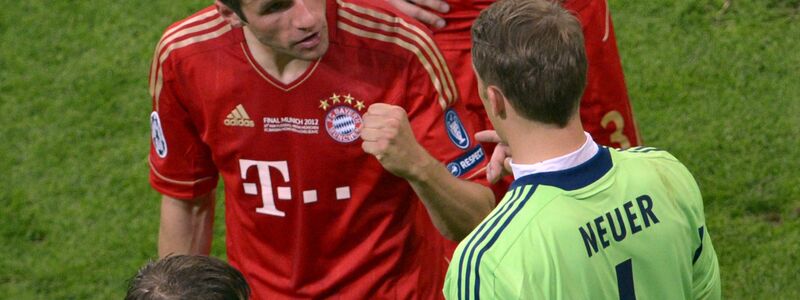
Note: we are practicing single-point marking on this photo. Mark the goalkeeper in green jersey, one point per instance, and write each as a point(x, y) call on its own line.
point(580, 221)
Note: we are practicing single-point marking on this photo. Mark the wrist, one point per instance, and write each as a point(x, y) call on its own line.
point(423, 169)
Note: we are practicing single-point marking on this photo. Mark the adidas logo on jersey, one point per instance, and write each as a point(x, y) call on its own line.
point(239, 117)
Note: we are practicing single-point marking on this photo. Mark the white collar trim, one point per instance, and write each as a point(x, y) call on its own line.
point(582, 155)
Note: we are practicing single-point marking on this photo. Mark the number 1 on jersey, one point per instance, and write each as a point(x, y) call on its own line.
point(625, 280)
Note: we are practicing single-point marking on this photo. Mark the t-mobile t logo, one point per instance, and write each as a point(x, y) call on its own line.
point(265, 181)
point(283, 192)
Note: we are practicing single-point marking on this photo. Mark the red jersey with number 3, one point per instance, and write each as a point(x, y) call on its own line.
point(605, 108)
point(308, 213)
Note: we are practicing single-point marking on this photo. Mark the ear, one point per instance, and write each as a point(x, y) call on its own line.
point(229, 15)
point(497, 101)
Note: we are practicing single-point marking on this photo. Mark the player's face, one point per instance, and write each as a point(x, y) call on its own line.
point(296, 28)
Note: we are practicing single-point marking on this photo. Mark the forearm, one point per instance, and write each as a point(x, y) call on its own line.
point(186, 225)
point(455, 206)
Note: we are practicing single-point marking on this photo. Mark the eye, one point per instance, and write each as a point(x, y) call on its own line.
point(276, 6)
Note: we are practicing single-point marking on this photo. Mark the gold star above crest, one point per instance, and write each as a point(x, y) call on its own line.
point(348, 99)
point(335, 98)
point(360, 105)
point(324, 104)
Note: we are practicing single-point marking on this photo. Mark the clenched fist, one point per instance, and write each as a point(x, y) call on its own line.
point(388, 136)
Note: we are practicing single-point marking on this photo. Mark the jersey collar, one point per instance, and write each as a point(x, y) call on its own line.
point(573, 178)
point(575, 158)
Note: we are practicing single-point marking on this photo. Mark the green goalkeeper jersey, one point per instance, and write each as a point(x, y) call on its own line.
point(623, 225)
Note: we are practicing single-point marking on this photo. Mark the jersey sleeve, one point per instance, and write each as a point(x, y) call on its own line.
point(180, 163)
point(436, 117)
point(706, 283)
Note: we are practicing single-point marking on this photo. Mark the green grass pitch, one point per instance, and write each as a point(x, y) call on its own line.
point(718, 87)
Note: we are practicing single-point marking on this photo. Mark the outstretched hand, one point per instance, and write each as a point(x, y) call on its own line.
point(422, 10)
point(500, 163)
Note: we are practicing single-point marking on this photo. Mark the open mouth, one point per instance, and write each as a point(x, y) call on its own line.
point(310, 41)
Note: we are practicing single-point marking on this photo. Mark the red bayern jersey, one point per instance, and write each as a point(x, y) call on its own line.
point(308, 213)
point(605, 107)
point(457, 33)
point(606, 111)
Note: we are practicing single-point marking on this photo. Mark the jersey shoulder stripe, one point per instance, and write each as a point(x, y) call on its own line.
point(371, 23)
point(203, 26)
point(647, 153)
point(464, 269)
point(524, 200)
point(642, 149)
point(177, 30)
point(484, 238)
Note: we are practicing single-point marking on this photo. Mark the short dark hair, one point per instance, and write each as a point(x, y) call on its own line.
point(236, 6)
point(533, 50)
point(188, 277)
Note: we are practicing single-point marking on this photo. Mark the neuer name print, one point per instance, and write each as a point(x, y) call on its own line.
point(598, 229)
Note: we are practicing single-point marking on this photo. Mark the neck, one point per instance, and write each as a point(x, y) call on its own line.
point(281, 66)
point(531, 142)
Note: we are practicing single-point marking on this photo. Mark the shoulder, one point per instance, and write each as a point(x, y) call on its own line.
point(640, 160)
point(644, 154)
point(202, 31)
point(519, 221)
point(375, 27)
point(652, 165)
point(522, 253)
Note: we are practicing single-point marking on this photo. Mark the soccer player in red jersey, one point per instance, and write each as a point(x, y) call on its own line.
point(324, 119)
point(605, 108)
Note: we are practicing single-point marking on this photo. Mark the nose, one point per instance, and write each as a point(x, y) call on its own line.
point(303, 16)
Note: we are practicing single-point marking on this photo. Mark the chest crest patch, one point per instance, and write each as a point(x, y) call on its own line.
point(343, 117)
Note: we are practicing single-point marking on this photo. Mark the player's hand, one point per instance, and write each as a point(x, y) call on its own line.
point(387, 135)
point(500, 163)
point(422, 10)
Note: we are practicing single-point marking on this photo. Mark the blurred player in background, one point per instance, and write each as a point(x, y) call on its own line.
point(581, 221)
point(188, 277)
point(317, 115)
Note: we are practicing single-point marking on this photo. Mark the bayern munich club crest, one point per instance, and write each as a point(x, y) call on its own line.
point(343, 120)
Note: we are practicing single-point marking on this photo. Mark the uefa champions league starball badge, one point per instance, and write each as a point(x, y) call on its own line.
point(343, 117)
